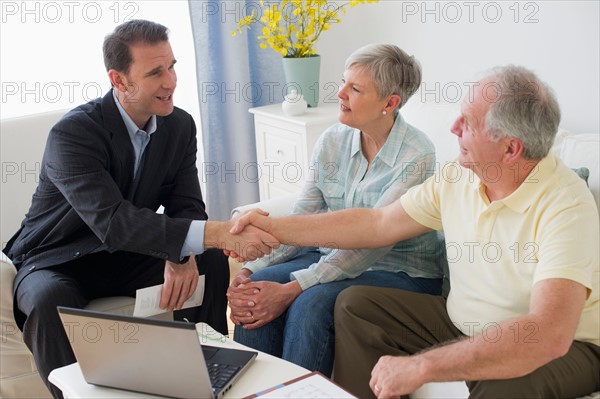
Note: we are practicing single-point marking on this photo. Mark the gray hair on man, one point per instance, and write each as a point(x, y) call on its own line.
point(524, 107)
point(392, 70)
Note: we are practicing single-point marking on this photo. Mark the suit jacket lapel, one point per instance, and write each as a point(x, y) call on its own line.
point(121, 142)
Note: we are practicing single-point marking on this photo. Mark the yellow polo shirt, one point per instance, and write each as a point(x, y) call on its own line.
point(547, 228)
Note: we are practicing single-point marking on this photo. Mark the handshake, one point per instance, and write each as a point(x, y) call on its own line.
point(254, 234)
point(245, 238)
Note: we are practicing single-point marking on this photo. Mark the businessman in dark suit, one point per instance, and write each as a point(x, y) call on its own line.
point(92, 230)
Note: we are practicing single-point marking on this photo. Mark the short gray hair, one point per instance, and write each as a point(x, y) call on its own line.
point(392, 70)
point(524, 108)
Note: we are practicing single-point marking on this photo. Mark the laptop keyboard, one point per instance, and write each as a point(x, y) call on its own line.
point(220, 374)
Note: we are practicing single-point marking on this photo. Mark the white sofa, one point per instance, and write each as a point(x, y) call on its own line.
point(576, 150)
point(22, 142)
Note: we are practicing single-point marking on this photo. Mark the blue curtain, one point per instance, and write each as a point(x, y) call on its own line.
point(234, 74)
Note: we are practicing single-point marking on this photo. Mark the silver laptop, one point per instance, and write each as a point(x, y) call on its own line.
point(148, 355)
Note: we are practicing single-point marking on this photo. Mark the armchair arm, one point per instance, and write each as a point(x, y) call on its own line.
point(279, 206)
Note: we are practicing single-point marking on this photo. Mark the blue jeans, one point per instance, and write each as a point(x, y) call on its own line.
point(304, 334)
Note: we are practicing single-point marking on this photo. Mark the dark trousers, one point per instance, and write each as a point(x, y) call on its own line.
point(372, 322)
point(100, 275)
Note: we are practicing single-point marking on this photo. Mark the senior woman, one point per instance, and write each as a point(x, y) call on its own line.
point(283, 304)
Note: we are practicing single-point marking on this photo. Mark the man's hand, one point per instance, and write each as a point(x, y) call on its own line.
point(255, 217)
point(255, 304)
point(394, 376)
point(241, 222)
point(180, 283)
point(247, 245)
point(478, 358)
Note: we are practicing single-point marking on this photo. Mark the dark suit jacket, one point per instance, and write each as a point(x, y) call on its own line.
point(84, 202)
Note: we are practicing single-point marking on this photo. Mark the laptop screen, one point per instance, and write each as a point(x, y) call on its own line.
point(144, 355)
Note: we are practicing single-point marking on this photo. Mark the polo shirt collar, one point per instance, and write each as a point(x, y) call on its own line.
point(528, 192)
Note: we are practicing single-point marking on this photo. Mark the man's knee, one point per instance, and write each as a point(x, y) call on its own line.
point(43, 292)
point(350, 302)
point(519, 388)
point(538, 384)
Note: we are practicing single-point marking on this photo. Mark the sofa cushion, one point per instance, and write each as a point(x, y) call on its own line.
point(23, 140)
point(12, 339)
point(118, 304)
point(583, 150)
point(584, 173)
point(279, 206)
point(18, 373)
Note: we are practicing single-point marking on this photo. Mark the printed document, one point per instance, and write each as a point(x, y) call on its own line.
point(147, 300)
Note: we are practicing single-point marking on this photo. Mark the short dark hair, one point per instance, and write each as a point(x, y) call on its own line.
point(116, 45)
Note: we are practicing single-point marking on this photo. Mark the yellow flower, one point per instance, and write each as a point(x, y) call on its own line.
point(292, 27)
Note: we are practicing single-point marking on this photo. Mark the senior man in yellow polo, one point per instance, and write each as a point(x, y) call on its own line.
point(522, 233)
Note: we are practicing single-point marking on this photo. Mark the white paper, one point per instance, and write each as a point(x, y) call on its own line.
point(315, 386)
point(147, 300)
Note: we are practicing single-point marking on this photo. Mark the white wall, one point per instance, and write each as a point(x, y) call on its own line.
point(456, 41)
point(51, 51)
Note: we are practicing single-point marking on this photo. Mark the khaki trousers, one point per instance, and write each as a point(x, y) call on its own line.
point(371, 322)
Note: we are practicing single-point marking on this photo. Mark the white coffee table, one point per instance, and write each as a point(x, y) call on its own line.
point(265, 372)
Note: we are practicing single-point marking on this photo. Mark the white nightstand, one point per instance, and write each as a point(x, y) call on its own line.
point(284, 146)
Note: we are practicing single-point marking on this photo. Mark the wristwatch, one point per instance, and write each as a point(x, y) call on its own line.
point(184, 259)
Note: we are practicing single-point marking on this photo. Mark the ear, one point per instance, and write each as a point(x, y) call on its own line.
point(118, 80)
point(514, 150)
point(393, 102)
